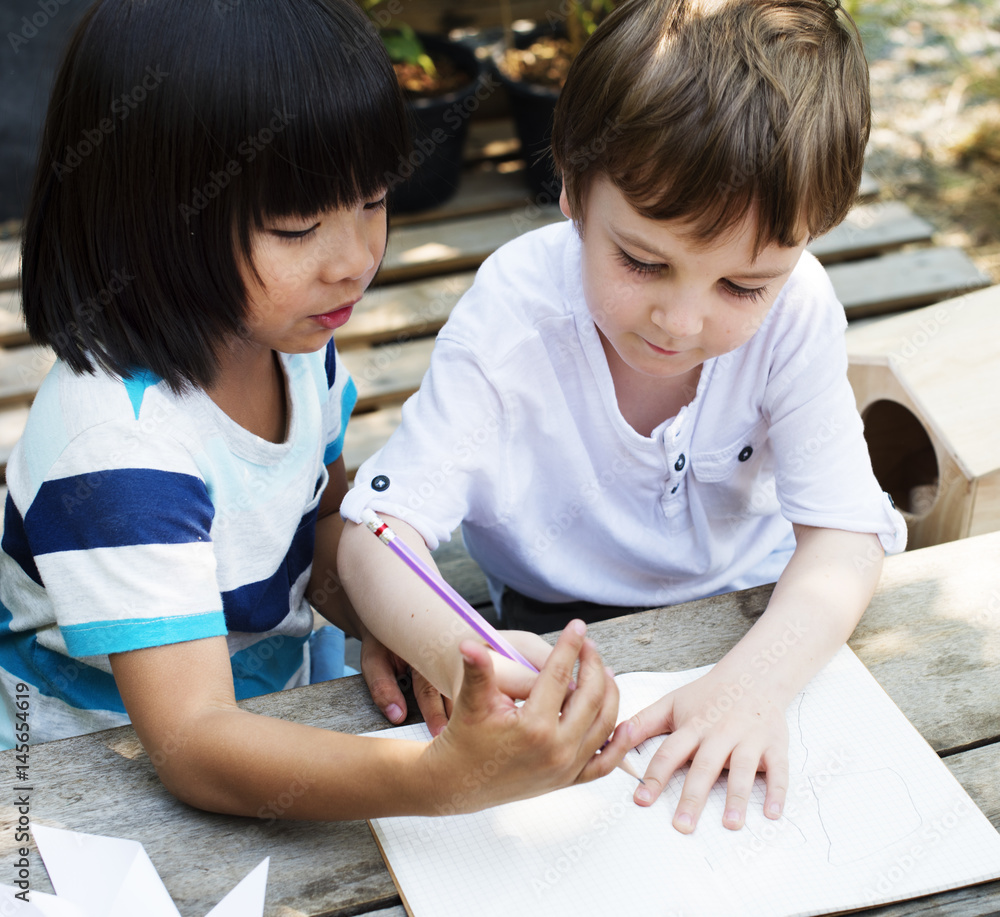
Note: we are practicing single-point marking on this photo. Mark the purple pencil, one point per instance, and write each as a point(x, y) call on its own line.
point(468, 614)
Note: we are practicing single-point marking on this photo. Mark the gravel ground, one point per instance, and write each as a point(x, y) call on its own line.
point(935, 76)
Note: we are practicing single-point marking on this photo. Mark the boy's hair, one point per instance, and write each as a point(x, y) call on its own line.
point(175, 129)
point(709, 111)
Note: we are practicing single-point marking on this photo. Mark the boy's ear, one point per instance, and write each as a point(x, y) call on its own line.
point(564, 204)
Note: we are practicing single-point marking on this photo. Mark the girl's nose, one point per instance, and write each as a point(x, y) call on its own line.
point(349, 257)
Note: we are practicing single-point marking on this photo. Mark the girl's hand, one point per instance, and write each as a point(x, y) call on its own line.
point(714, 725)
point(382, 670)
point(494, 751)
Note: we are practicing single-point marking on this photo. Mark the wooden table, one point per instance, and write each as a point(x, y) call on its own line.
point(931, 637)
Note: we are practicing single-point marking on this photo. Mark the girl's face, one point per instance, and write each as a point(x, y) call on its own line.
point(313, 271)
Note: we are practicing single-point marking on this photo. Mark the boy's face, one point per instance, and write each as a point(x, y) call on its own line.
point(663, 303)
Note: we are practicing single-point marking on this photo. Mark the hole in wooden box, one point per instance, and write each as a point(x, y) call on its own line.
point(902, 456)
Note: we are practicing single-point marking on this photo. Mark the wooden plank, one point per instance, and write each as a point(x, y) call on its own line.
point(389, 373)
point(12, 330)
point(491, 139)
point(12, 423)
point(405, 310)
point(10, 263)
point(484, 189)
point(457, 245)
point(871, 229)
point(986, 505)
point(904, 280)
point(21, 372)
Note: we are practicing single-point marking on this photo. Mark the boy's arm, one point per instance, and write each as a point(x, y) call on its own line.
point(213, 755)
point(409, 618)
point(734, 716)
point(380, 667)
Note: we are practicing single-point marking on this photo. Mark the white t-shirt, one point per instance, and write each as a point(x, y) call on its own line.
point(516, 433)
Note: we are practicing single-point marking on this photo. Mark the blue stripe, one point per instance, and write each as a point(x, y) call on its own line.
point(348, 398)
point(258, 607)
point(97, 638)
point(125, 506)
point(331, 364)
point(53, 674)
point(267, 666)
point(15, 541)
point(136, 385)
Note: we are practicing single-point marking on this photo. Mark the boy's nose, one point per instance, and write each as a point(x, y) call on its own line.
point(680, 318)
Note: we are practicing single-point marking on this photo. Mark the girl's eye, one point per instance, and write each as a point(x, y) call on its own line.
point(636, 266)
point(753, 294)
point(294, 234)
point(378, 205)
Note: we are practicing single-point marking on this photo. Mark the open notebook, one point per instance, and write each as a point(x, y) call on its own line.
point(872, 816)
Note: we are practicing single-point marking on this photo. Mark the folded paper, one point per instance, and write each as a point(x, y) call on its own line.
point(96, 876)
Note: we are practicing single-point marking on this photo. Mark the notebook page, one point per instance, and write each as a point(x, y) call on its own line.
point(872, 816)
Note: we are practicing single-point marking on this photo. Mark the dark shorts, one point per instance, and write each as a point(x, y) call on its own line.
point(523, 613)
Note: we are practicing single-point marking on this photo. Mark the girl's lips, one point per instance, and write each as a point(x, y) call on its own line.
point(666, 353)
point(336, 318)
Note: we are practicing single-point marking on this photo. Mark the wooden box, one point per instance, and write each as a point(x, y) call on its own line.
point(927, 385)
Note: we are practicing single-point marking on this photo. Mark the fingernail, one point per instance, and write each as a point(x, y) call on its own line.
point(732, 817)
point(590, 643)
point(394, 712)
point(610, 672)
point(644, 795)
point(773, 809)
point(684, 821)
point(579, 627)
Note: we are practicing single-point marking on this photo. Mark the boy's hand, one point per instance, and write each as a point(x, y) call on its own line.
point(713, 731)
point(513, 678)
point(494, 751)
point(382, 670)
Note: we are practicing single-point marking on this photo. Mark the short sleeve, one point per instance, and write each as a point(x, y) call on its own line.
point(120, 534)
point(823, 472)
point(445, 462)
point(342, 395)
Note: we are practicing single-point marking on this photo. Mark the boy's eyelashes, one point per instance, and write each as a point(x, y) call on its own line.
point(377, 205)
point(636, 266)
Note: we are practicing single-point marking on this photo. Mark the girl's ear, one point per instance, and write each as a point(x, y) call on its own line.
point(564, 204)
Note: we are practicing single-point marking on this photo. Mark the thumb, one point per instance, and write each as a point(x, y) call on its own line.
point(478, 685)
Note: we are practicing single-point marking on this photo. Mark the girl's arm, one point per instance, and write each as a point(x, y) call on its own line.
point(734, 716)
point(213, 755)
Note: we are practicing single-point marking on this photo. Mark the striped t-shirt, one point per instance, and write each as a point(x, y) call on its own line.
point(136, 517)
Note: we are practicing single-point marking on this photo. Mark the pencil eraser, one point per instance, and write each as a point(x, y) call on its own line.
point(368, 516)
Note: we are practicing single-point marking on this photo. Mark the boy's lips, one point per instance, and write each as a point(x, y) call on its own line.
point(336, 317)
point(666, 353)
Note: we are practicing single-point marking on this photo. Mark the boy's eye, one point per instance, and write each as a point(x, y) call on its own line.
point(754, 294)
point(636, 266)
point(377, 205)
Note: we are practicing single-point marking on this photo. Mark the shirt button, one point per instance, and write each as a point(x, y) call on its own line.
point(679, 464)
point(675, 488)
point(745, 453)
point(380, 483)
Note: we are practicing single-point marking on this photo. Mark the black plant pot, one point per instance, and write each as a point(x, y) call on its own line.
point(439, 126)
point(533, 106)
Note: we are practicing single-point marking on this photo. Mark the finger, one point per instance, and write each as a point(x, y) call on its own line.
point(610, 755)
point(513, 678)
point(743, 764)
point(550, 687)
point(775, 762)
point(531, 646)
point(654, 720)
point(674, 752)
point(431, 704)
point(593, 705)
point(379, 670)
point(478, 686)
point(706, 766)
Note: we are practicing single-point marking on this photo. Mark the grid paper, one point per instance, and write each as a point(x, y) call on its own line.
point(872, 816)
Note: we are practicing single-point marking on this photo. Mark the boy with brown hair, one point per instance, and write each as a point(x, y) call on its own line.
point(649, 404)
